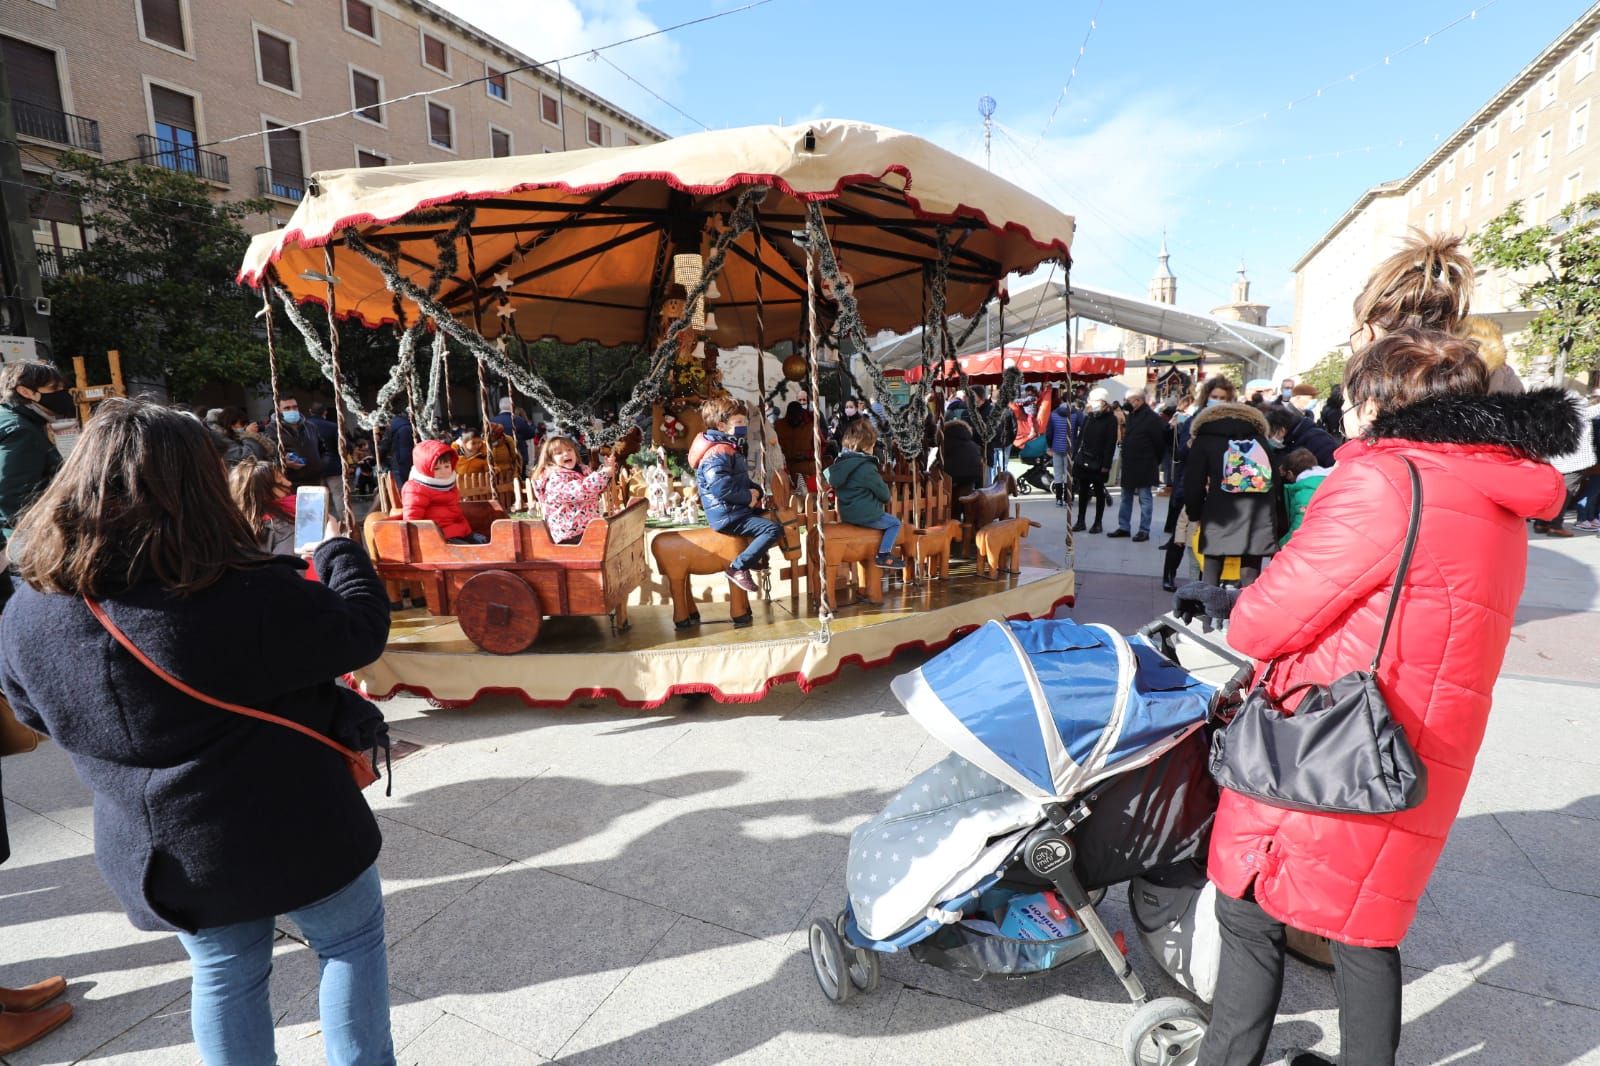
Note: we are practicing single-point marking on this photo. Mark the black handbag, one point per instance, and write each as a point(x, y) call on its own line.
point(1340, 751)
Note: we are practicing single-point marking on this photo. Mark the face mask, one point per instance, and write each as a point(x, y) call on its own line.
point(1274, 444)
point(1212, 402)
point(849, 412)
point(58, 404)
point(741, 432)
point(291, 417)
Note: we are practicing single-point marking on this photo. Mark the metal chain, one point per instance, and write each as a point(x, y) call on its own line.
point(824, 608)
point(338, 390)
point(272, 368)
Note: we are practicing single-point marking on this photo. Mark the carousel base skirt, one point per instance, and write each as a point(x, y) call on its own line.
point(578, 658)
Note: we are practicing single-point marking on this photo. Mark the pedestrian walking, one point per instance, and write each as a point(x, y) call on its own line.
point(1091, 462)
point(1229, 489)
point(1144, 441)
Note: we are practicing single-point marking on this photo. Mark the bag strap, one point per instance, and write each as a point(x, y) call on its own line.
point(127, 643)
point(1405, 561)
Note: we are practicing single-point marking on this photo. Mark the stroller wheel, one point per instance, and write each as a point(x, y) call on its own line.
point(828, 960)
point(1023, 488)
point(864, 972)
point(1165, 1032)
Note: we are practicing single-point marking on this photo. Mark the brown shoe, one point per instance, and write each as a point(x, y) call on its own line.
point(34, 996)
point(18, 1029)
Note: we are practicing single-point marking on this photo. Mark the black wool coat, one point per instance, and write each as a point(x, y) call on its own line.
point(1097, 441)
point(1230, 523)
point(960, 453)
point(1144, 442)
point(203, 817)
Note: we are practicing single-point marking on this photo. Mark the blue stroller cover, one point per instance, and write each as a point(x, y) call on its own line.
point(1033, 712)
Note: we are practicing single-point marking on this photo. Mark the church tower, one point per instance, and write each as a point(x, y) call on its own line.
point(1164, 286)
point(1241, 309)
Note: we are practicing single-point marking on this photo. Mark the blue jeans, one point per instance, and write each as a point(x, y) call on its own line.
point(891, 530)
point(232, 1016)
point(1589, 499)
point(1147, 509)
point(998, 460)
point(763, 534)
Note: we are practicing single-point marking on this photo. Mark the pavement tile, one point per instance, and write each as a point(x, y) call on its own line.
point(1534, 940)
point(1509, 781)
point(1565, 849)
point(438, 788)
point(707, 994)
point(1450, 1018)
point(527, 955)
point(423, 874)
point(460, 1043)
point(1479, 843)
point(1531, 718)
point(299, 1031)
point(931, 1028)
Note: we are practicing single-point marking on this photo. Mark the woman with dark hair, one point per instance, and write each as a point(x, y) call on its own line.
point(208, 823)
point(1332, 417)
point(32, 395)
point(1316, 614)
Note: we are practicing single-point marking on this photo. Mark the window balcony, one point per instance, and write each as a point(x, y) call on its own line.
point(57, 127)
point(53, 261)
point(291, 187)
point(184, 158)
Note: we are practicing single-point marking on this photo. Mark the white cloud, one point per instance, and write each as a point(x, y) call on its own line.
point(550, 29)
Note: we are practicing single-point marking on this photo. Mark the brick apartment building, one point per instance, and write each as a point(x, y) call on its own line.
point(1529, 142)
point(156, 80)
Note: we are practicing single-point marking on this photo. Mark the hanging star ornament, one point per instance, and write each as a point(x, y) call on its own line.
point(502, 281)
point(505, 310)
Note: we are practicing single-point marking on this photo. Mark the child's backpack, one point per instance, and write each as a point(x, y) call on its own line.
point(1245, 467)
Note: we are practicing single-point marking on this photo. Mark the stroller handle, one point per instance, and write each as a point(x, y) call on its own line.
point(1172, 625)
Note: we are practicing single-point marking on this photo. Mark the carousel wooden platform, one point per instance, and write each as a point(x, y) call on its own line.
point(581, 658)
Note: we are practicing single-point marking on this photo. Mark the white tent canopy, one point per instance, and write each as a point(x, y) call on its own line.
point(1040, 307)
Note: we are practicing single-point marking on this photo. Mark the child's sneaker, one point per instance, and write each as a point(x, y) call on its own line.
point(1590, 526)
point(887, 561)
point(742, 578)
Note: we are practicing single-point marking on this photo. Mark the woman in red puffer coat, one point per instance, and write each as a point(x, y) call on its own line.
point(1318, 609)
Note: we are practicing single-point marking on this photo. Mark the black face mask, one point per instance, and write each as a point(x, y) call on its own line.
point(59, 403)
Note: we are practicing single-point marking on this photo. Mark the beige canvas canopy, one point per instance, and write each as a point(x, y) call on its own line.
point(582, 243)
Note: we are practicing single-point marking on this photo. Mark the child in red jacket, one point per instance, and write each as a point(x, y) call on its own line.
point(430, 495)
point(569, 492)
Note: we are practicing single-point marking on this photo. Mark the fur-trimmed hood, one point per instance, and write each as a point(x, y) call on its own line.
point(1543, 424)
point(1238, 412)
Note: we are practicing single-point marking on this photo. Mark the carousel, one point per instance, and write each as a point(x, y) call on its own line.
point(782, 245)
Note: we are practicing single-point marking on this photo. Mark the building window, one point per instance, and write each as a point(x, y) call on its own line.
point(1427, 223)
point(1488, 187)
point(275, 61)
point(1578, 127)
point(36, 102)
point(1536, 208)
point(161, 21)
point(1469, 152)
point(1433, 183)
point(496, 84)
point(1570, 186)
point(1444, 215)
point(550, 109)
point(1466, 202)
point(1514, 170)
point(1544, 149)
point(441, 126)
point(177, 132)
point(499, 142)
point(1492, 138)
point(1519, 113)
point(365, 159)
point(366, 93)
point(1450, 170)
point(1583, 66)
point(435, 54)
point(1415, 196)
point(286, 168)
point(594, 131)
point(1547, 90)
point(359, 17)
point(633, 142)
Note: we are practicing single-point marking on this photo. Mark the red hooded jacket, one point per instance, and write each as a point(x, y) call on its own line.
point(422, 502)
point(1319, 607)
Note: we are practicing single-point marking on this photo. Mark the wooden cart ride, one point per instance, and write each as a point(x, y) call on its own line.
point(501, 591)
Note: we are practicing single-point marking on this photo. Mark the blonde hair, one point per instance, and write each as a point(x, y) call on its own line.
point(859, 436)
point(1491, 341)
point(1426, 285)
point(547, 458)
point(716, 411)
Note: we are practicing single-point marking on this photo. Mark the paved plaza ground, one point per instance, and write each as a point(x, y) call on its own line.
point(596, 885)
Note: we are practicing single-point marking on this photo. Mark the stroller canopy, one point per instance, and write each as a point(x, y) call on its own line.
point(1050, 707)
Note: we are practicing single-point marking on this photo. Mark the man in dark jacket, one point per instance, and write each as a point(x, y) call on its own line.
point(396, 447)
point(1091, 460)
point(962, 459)
point(1144, 441)
point(518, 429)
point(302, 448)
point(324, 422)
point(1290, 429)
point(31, 396)
point(731, 501)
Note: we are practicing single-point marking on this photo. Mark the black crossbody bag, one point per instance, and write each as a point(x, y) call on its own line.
point(1340, 751)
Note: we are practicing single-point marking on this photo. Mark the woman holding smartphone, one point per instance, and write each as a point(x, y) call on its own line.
point(207, 823)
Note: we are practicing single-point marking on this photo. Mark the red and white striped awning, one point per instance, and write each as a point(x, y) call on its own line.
point(1036, 364)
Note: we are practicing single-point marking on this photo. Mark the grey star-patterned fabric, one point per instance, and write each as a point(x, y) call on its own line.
point(945, 831)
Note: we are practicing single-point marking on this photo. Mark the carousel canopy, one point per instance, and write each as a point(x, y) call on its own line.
point(1035, 364)
point(584, 245)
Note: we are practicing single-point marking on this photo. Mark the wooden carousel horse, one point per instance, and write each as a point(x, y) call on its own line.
point(682, 553)
point(931, 545)
point(982, 507)
point(997, 545)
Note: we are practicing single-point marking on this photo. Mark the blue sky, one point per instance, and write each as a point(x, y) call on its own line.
point(1176, 118)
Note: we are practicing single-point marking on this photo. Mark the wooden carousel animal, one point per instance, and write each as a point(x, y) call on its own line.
point(997, 545)
point(982, 507)
point(683, 553)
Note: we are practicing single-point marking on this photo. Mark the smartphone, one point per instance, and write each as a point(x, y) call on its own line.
point(310, 517)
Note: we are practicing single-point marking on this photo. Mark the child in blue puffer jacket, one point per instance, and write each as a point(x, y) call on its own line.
point(731, 501)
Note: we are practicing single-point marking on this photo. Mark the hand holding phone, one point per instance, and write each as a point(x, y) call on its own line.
point(310, 518)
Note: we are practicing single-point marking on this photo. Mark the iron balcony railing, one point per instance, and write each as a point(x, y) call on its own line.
point(57, 127)
point(185, 158)
point(53, 261)
point(271, 182)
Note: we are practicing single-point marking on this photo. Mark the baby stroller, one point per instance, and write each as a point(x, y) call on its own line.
point(1078, 761)
point(1040, 474)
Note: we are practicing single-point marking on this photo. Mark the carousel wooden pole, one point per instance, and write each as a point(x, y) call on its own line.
point(483, 384)
point(338, 386)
